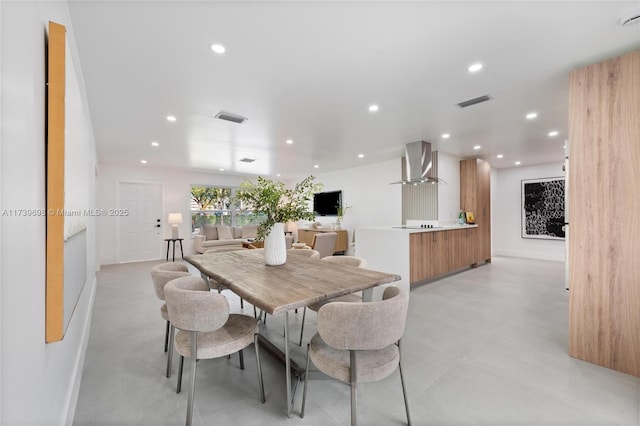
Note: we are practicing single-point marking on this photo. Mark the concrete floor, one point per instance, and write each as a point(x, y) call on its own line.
point(486, 346)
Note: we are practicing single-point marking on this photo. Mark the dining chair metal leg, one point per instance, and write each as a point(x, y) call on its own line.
point(192, 385)
point(179, 385)
point(354, 386)
point(304, 314)
point(404, 389)
point(170, 354)
point(166, 336)
point(257, 346)
point(241, 355)
point(306, 379)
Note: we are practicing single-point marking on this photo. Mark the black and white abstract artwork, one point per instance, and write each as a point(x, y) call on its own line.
point(543, 208)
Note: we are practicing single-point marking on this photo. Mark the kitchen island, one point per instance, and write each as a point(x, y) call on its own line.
point(419, 254)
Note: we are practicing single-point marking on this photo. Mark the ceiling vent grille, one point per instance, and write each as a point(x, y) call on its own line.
point(247, 160)
point(234, 118)
point(474, 101)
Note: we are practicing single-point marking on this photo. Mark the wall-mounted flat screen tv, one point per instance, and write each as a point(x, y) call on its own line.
point(327, 203)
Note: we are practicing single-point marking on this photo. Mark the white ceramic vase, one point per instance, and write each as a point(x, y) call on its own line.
point(275, 246)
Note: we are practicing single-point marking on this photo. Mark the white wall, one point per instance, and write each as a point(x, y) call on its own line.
point(176, 184)
point(377, 203)
point(367, 189)
point(506, 212)
point(449, 193)
point(39, 381)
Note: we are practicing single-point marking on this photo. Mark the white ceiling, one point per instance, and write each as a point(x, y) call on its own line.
point(308, 71)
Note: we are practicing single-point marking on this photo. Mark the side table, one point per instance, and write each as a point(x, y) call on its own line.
point(173, 240)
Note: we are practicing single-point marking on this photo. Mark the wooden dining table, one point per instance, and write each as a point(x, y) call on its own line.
point(300, 282)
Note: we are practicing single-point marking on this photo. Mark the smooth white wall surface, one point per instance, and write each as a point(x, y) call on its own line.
point(39, 381)
point(506, 211)
point(449, 193)
point(176, 185)
point(367, 189)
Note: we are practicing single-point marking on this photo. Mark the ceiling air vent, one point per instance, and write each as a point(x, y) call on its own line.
point(474, 101)
point(235, 118)
point(247, 160)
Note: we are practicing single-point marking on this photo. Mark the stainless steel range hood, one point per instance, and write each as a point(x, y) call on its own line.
point(418, 164)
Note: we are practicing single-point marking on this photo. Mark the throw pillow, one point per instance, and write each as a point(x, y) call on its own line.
point(210, 232)
point(237, 231)
point(250, 231)
point(224, 233)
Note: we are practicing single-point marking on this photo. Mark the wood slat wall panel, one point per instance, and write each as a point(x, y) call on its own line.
point(604, 200)
point(54, 327)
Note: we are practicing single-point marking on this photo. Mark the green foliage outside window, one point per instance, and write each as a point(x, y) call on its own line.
point(211, 205)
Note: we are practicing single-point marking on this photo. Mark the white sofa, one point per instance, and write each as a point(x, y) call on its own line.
point(222, 236)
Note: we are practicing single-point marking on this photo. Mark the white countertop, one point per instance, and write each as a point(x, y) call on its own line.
point(414, 229)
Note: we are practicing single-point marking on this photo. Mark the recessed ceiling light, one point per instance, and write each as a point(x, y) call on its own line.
point(155, 144)
point(446, 136)
point(531, 115)
point(553, 133)
point(373, 108)
point(278, 175)
point(517, 163)
point(477, 147)
point(316, 166)
point(218, 48)
point(360, 155)
point(222, 170)
point(499, 156)
point(475, 67)
point(171, 118)
point(143, 161)
point(289, 141)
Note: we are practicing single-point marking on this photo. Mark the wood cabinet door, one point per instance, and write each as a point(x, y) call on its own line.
point(439, 252)
point(305, 236)
point(342, 242)
point(472, 253)
point(458, 248)
point(475, 196)
point(416, 257)
point(484, 210)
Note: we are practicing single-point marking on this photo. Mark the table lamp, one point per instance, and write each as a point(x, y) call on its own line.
point(175, 219)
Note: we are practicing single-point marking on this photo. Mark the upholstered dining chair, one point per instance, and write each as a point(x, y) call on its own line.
point(304, 252)
point(324, 243)
point(215, 285)
point(360, 342)
point(207, 329)
point(160, 275)
point(356, 262)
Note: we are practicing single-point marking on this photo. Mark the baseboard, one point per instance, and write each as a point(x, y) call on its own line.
point(530, 255)
point(72, 395)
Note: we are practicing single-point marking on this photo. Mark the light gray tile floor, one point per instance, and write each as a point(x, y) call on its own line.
point(486, 346)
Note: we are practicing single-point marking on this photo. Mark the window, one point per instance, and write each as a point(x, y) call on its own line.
point(211, 205)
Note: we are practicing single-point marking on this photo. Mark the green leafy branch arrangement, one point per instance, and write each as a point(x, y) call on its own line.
point(274, 202)
point(342, 211)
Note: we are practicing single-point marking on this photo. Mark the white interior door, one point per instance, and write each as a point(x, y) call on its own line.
point(140, 232)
